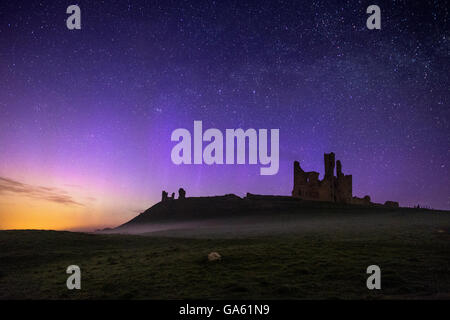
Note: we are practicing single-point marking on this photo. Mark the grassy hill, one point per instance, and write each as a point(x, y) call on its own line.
point(253, 209)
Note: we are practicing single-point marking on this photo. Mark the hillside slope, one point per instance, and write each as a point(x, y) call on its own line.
point(232, 207)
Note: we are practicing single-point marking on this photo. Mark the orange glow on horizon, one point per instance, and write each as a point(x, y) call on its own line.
point(20, 211)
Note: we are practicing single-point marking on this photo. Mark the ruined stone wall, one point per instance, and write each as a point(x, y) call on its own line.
point(343, 185)
point(307, 185)
point(361, 201)
point(391, 204)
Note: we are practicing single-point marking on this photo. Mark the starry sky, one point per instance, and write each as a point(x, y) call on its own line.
point(86, 115)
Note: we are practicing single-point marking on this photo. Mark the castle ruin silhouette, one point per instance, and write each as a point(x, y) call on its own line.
point(332, 188)
point(307, 186)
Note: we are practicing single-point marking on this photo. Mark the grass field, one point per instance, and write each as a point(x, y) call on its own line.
point(316, 260)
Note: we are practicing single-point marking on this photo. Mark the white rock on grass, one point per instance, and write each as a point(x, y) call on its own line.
point(214, 256)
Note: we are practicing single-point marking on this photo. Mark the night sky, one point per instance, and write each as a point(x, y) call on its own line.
point(86, 115)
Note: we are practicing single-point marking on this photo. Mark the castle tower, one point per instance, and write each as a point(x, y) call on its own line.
point(329, 161)
point(307, 185)
point(338, 169)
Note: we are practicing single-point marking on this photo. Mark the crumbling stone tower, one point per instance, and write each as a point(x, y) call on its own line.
point(165, 195)
point(331, 188)
point(181, 193)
